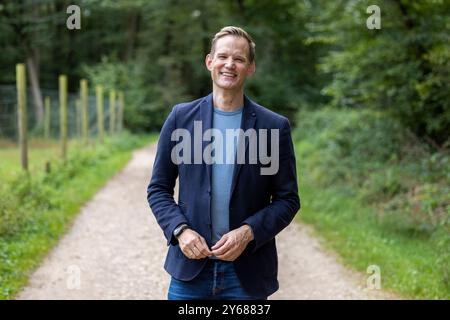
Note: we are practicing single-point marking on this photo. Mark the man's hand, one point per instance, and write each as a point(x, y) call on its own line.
point(233, 243)
point(193, 245)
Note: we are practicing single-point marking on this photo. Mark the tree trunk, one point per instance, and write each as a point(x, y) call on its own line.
point(32, 56)
point(33, 72)
point(133, 21)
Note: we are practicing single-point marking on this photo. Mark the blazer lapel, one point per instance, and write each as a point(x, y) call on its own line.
point(207, 118)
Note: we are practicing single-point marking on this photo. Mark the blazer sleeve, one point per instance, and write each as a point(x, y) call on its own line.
point(160, 190)
point(269, 221)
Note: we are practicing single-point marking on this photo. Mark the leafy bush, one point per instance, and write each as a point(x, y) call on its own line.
point(401, 69)
point(383, 163)
point(11, 215)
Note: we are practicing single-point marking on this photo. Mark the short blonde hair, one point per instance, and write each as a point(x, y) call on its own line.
point(237, 32)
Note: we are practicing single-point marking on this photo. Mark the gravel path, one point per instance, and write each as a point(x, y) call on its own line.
point(116, 250)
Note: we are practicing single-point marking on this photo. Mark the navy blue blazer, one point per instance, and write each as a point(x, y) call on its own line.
point(267, 203)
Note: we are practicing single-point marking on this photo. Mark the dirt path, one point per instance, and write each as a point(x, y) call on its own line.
point(116, 250)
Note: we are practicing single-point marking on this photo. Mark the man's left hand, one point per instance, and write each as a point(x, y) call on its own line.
point(233, 243)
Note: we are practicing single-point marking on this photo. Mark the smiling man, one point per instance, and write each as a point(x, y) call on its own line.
point(221, 233)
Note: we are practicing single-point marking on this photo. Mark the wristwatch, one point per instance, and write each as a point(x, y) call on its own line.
point(178, 230)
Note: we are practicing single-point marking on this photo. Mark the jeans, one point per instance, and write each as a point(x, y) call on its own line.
point(217, 281)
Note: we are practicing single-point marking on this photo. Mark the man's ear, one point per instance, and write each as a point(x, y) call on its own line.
point(208, 61)
point(252, 69)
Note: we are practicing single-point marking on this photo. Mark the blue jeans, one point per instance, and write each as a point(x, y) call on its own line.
point(217, 281)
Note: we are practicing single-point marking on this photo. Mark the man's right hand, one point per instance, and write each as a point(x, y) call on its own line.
point(193, 245)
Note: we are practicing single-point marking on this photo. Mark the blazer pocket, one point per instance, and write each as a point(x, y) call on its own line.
point(180, 254)
point(177, 251)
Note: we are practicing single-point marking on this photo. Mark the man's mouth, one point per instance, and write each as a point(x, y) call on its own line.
point(228, 74)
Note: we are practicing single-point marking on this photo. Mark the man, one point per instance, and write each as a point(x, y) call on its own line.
point(231, 205)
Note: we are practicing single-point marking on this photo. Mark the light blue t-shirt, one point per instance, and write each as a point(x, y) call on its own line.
point(222, 172)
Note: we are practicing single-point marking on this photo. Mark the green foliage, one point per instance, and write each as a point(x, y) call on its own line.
point(154, 50)
point(402, 69)
point(387, 183)
point(308, 53)
point(372, 153)
point(10, 216)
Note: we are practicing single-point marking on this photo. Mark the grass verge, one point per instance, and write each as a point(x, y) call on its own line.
point(48, 203)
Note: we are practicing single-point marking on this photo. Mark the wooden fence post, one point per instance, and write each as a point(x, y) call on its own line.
point(112, 111)
point(78, 118)
point(100, 107)
point(22, 113)
point(121, 109)
point(47, 119)
point(63, 115)
point(84, 110)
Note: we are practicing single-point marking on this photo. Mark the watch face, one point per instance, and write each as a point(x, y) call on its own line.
point(178, 230)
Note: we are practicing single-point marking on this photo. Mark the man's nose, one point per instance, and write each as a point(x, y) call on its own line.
point(230, 63)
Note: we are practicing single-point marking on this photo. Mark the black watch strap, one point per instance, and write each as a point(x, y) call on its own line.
point(178, 230)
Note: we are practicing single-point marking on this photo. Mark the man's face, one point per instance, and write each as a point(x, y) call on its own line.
point(230, 65)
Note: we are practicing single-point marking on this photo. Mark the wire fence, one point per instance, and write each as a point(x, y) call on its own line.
point(58, 118)
point(8, 112)
point(36, 129)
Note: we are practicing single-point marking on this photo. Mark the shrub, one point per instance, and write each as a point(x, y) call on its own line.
point(382, 162)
